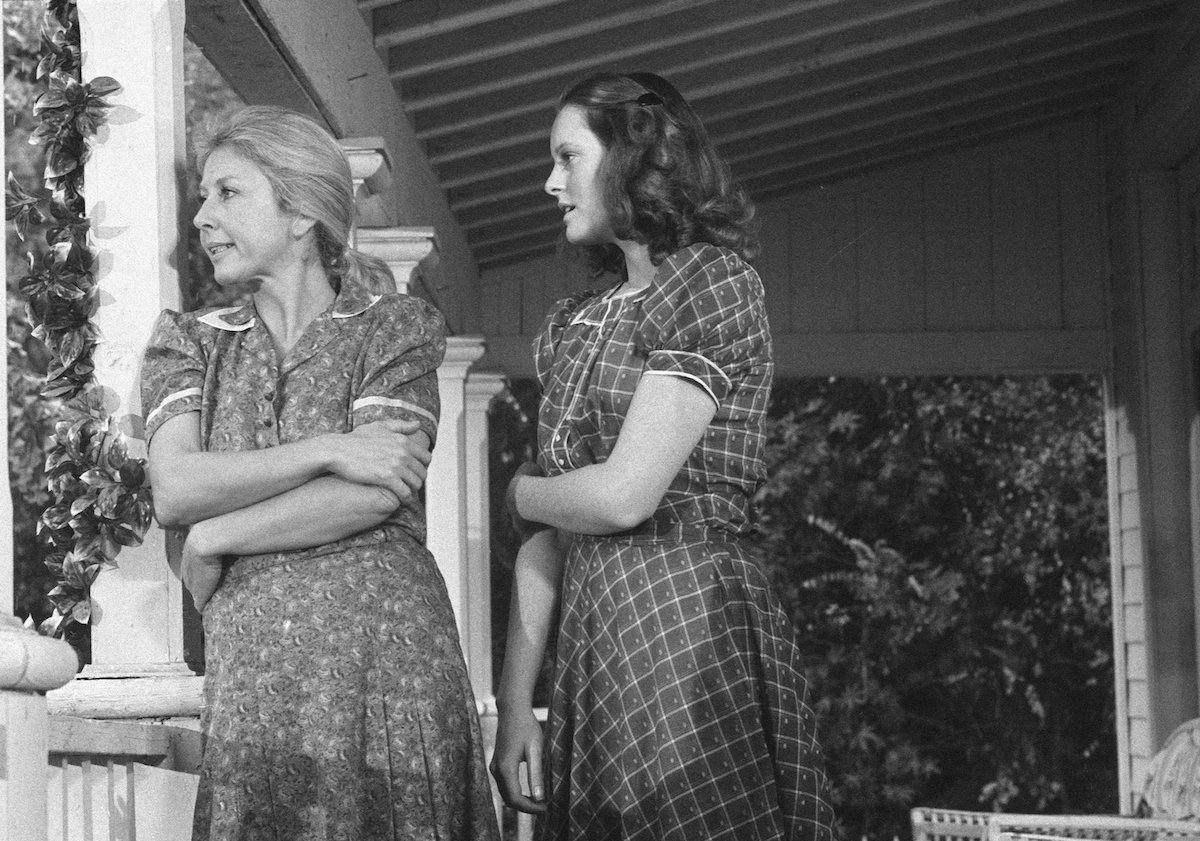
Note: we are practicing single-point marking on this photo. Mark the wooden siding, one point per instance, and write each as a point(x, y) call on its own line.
point(1128, 589)
point(982, 260)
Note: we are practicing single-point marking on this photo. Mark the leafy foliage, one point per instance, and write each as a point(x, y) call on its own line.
point(99, 498)
point(941, 547)
point(31, 417)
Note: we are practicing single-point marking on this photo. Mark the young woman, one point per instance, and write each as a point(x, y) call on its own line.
point(678, 710)
point(291, 435)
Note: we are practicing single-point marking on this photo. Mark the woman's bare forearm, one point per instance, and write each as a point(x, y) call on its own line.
point(666, 419)
point(194, 486)
point(191, 484)
point(318, 512)
point(537, 577)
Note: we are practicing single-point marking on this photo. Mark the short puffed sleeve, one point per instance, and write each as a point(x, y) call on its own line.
point(703, 320)
point(173, 370)
point(401, 358)
point(546, 343)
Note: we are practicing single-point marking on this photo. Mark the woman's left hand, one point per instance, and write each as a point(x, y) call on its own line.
point(201, 573)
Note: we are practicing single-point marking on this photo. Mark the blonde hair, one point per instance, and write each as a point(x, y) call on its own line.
point(309, 175)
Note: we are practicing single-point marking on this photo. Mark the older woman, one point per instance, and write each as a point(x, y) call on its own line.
point(291, 435)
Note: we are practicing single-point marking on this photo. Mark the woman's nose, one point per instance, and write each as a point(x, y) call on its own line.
point(201, 219)
point(553, 183)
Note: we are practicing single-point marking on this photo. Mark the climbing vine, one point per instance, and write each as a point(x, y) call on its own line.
point(100, 500)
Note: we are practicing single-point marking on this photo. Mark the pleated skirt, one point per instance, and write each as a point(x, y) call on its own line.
point(337, 705)
point(678, 708)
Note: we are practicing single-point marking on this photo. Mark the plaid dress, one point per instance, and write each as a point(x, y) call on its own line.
point(677, 710)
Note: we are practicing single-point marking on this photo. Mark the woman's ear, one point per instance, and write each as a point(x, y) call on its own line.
point(301, 225)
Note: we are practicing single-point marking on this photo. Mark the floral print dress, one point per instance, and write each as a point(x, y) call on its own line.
point(678, 710)
point(337, 705)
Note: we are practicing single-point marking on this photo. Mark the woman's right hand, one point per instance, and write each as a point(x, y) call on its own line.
point(200, 569)
point(391, 454)
point(519, 739)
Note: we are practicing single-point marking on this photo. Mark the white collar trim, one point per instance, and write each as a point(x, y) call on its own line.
point(375, 299)
point(218, 319)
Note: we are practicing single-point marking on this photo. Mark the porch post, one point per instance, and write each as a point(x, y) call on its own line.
point(29, 665)
point(133, 202)
point(446, 484)
point(482, 388)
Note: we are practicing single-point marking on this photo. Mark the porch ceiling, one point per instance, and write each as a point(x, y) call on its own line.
point(795, 92)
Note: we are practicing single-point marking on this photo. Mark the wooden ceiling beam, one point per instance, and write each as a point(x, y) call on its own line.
point(926, 120)
point(658, 45)
point(506, 235)
point(250, 56)
point(931, 96)
point(933, 93)
point(811, 173)
point(874, 149)
point(1058, 37)
point(1063, 15)
point(467, 116)
point(492, 257)
point(443, 60)
point(494, 262)
point(528, 243)
point(482, 12)
point(1045, 45)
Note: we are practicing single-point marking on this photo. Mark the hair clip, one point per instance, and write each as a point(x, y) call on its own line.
point(649, 98)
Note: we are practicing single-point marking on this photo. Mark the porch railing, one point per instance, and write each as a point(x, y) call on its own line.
point(29, 665)
point(77, 779)
point(120, 780)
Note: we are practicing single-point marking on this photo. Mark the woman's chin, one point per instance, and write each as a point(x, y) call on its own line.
point(236, 283)
point(582, 238)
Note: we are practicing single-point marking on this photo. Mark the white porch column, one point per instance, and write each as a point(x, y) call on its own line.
point(29, 665)
point(401, 248)
point(482, 388)
point(132, 199)
point(446, 484)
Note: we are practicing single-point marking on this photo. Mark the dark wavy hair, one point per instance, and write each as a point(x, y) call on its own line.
point(664, 183)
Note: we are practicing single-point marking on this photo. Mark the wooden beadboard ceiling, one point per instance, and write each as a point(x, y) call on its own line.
point(795, 92)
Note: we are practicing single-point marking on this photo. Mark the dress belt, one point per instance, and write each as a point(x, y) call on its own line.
point(654, 531)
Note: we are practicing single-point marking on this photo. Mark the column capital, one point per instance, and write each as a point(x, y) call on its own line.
point(484, 385)
point(402, 248)
point(370, 162)
point(461, 354)
point(371, 172)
